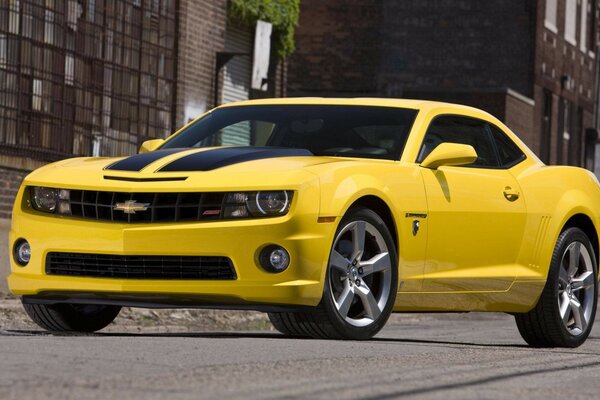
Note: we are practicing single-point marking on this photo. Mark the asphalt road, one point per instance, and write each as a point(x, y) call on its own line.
point(455, 356)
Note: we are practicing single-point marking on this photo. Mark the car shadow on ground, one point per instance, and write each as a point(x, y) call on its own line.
point(279, 336)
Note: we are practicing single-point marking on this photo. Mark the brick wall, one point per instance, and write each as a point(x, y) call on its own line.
point(202, 26)
point(388, 47)
point(337, 48)
point(467, 51)
point(556, 58)
point(518, 116)
point(201, 35)
point(10, 180)
point(459, 44)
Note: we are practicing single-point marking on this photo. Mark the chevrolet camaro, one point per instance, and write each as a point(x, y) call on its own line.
point(328, 214)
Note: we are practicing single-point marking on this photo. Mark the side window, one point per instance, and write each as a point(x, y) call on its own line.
point(508, 152)
point(451, 129)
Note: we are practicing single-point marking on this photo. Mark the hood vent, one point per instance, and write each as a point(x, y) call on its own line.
point(130, 179)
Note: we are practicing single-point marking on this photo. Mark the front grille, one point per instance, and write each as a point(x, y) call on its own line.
point(140, 267)
point(160, 207)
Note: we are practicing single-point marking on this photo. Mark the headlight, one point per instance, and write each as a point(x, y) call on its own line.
point(257, 204)
point(268, 203)
point(44, 199)
point(50, 200)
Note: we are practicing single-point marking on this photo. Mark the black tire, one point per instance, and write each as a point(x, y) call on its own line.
point(543, 325)
point(71, 317)
point(288, 323)
point(325, 322)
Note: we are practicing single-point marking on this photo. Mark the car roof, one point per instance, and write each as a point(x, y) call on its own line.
point(357, 101)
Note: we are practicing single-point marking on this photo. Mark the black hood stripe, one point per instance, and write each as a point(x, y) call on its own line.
point(141, 161)
point(218, 158)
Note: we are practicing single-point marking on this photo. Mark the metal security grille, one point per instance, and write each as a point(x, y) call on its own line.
point(160, 207)
point(85, 77)
point(140, 267)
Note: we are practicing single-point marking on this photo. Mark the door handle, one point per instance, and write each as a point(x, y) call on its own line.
point(510, 194)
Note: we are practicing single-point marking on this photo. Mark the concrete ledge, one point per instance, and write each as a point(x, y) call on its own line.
point(4, 265)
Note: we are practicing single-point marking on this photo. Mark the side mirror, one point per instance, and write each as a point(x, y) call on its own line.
point(450, 154)
point(150, 145)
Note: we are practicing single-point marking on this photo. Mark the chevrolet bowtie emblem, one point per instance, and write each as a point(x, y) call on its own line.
point(131, 206)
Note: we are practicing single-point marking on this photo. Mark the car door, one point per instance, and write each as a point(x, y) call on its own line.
point(476, 213)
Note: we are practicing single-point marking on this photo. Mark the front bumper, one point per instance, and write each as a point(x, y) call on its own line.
point(307, 242)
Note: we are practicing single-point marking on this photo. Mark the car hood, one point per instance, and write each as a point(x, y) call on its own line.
point(217, 168)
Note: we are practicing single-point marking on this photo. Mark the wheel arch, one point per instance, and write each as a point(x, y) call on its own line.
point(381, 208)
point(585, 223)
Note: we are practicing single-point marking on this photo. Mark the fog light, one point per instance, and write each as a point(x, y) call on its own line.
point(274, 258)
point(22, 252)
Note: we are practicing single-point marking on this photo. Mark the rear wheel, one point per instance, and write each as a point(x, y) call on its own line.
point(360, 285)
point(71, 317)
point(566, 309)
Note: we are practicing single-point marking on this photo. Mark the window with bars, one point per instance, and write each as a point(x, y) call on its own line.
point(83, 77)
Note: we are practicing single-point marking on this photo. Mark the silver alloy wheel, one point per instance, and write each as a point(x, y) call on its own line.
point(360, 273)
point(576, 288)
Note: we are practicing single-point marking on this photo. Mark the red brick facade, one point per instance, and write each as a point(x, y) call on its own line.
point(10, 180)
point(496, 55)
point(202, 25)
point(568, 75)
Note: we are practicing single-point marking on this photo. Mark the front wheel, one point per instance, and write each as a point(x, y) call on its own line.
point(566, 309)
point(71, 317)
point(360, 284)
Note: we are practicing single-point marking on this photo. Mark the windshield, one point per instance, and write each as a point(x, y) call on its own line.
point(329, 130)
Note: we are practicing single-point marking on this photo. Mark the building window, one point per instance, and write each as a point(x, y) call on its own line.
point(550, 21)
point(566, 135)
point(590, 33)
point(571, 21)
point(3, 51)
point(546, 138)
point(583, 36)
point(49, 27)
point(13, 19)
point(69, 69)
point(36, 98)
point(73, 12)
point(85, 77)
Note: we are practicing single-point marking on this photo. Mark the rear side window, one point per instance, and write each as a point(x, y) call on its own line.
point(462, 130)
point(509, 153)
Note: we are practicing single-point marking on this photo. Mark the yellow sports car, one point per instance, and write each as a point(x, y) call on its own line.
point(329, 214)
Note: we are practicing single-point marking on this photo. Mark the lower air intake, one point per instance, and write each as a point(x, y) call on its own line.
point(140, 267)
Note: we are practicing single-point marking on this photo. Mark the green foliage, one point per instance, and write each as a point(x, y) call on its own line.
point(283, 14)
